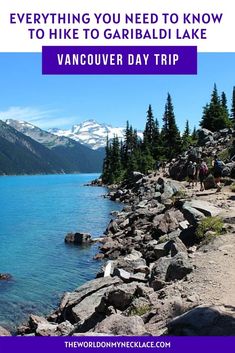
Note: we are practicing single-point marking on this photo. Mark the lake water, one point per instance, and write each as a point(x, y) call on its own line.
point(36, 212)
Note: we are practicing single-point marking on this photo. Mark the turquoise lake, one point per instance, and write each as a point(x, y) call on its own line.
point(36, 212)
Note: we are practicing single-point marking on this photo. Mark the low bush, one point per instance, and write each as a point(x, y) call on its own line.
point(209, 228)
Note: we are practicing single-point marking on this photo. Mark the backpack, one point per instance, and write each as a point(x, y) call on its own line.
point(218, 165)
point(203, 170)
point(191, 170)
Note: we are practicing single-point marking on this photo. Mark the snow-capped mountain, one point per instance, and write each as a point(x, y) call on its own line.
point(92, 133)
point(71, 155)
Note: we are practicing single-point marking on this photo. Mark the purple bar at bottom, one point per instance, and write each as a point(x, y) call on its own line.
point(119, 60)
point(117, 344)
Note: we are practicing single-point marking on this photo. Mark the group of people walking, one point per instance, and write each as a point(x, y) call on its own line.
point(199, 171)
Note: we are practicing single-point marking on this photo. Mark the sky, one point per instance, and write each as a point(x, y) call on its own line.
point(62, 101)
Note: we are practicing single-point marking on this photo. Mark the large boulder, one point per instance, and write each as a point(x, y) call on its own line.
point(204, 321)
point(78, 238)
point(158, 273)
point(84, 312)
point(175, 246)
point(169, 269)
point(70, 300)
point(167, 222)
point(121, 296)
point(179, 267)
point(120, 325)
point(191, 214)
point(205, 207)
point(204, 136)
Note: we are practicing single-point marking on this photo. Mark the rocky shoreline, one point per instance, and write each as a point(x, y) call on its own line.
point(145, 287)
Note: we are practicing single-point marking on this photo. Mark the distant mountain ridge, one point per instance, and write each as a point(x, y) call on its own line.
point(19, 154)
point(26, 149)
point(92, 133)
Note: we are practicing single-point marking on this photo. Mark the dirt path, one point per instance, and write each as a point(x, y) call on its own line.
point(213, 281)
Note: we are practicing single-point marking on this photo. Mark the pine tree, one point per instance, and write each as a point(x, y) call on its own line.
point(215, 115)
point(186, 138)
point(194, 135)
point(225, 110)
point(150, 130)
point(116, 166)
point(233, 108)
point(112, 167)
point(106, 174)
point(170, 133)
point(157, 143)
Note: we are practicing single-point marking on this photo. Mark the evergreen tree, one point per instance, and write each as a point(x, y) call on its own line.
point(106, 174)
point(115, 158)
point(157, 143)
point(233, 108)
point(225, 110)
point(194, 135)
point(170, 133)
point(147, 162)
point(150, 130)
point(215, 115)
point(186, 138)
point(112, 167)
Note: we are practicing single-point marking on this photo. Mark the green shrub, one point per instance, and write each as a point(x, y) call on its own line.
point(209, 228)
point(141, 310)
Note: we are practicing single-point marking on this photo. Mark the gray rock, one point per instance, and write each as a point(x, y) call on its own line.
point(65, 328)
point(71, 299)
point(124, 275)
point(184, 225)
point(204, 321)
point(47, 329)
point(160, 250)
point(35, 320)
point(130, 265)
point(112, 227)
point(5, 276)
point(175, 246)
point(84, 310)
point(4, 332)
point(203, 135)
point(142, 204)
point(121, 325)
point(78, 238)
point(121, 296)
point(159, 269)
point(168, 192)
point(167, 222)
point(139, 277)
point(205, 207)
point(178, 268)
point(192, 215)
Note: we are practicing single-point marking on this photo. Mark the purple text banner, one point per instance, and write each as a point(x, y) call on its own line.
point(117, 344)
point(119, 60)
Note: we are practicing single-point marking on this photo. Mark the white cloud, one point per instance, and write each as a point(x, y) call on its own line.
point(43, 118)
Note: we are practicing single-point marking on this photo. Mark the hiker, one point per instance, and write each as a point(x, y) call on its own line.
point(196, 165)
point(191, 173)
point(202, 173)
point(163, 167)
point(218, 167)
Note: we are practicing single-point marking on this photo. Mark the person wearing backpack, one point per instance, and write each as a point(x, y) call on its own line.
point(218, 168)
point(203, 171)
point(191, 173)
